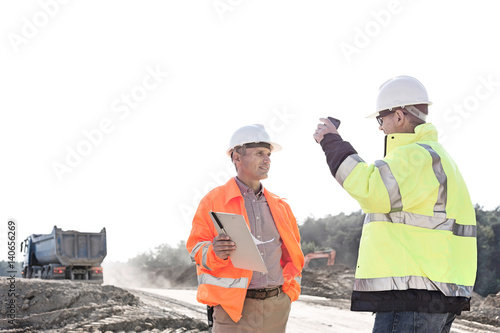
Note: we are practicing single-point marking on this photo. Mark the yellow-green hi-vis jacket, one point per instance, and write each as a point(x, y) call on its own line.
point(419, 232)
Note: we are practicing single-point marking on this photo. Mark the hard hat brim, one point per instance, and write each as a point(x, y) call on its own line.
point(276, 147)
point(375, 114)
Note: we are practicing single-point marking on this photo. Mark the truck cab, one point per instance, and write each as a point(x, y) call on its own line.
point(27, 271)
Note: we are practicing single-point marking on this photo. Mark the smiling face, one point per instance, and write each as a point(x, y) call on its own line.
point(253, 165)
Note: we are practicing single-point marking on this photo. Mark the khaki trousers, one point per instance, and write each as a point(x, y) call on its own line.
point(259, 316)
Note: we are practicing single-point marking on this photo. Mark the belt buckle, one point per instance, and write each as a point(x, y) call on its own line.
point(265, 294)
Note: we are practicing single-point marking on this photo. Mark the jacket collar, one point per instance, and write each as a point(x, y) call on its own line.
point(232, 190)
point(424, 132)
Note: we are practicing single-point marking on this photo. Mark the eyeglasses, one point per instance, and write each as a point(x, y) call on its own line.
point(385, 113)
point(382, 115)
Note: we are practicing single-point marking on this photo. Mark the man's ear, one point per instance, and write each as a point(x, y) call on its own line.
point(236, 157)
point(399, 116)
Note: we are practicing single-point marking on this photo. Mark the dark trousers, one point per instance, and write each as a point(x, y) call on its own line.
point(414, 322)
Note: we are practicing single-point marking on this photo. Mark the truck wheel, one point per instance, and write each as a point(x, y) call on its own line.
point(45, 272)
point(29, 275)
point(50, 272)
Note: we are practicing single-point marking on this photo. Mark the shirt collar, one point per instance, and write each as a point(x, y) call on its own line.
point(246, 189)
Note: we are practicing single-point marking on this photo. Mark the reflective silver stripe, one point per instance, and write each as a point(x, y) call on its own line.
point(196, 248)
point(391, 185)
point(440, 206)
point(298, 279)
point(424, 221)
point(204, 255)
point(464, 230)
point(222, 282)
point(416, 220)
point(346, 167)
point(411, 282)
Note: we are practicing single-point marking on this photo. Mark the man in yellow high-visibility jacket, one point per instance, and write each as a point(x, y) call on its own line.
point(418, 254)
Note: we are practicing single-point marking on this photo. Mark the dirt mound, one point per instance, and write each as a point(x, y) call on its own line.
point(485, 310)
point(328, 281)
point(65, 306)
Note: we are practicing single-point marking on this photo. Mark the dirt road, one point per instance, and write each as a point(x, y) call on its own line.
point(308, 314)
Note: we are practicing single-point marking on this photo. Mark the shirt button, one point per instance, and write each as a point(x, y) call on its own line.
point(257, 217)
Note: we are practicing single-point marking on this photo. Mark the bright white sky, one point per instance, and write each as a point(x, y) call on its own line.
point(160, 86)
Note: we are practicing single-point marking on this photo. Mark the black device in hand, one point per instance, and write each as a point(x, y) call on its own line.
point(335, 122)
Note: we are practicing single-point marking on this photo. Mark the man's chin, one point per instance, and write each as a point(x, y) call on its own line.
point(264, 176)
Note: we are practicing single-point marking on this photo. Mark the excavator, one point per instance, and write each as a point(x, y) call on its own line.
point(330, 254)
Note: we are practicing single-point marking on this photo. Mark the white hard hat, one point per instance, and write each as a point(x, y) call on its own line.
point(251, 134)
point(401, 91)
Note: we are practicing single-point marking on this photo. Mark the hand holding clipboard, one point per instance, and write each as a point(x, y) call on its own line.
point(245, 255)
point(223, 245)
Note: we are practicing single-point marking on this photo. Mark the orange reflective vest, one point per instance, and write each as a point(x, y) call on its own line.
point(219, 282)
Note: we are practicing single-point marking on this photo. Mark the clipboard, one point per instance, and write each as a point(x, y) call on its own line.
point(246, 255)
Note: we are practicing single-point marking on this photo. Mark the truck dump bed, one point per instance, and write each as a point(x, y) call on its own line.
point(70, 248)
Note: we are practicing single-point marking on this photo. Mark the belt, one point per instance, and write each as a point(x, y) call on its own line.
point(264, 293)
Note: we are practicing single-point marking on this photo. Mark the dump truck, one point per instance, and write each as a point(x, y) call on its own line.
point(64, 255)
